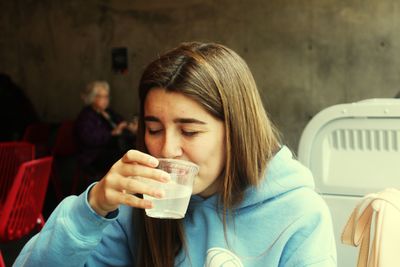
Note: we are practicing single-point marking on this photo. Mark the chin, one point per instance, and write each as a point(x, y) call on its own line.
point(195, 191)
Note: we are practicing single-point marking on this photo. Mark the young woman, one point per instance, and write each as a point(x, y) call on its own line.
point(252, 203)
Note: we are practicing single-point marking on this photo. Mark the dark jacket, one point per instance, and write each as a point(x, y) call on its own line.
point(93, 134)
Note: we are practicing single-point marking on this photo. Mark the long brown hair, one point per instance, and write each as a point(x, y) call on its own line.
point(221, 82)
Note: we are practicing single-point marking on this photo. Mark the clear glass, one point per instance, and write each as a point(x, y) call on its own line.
point(177, 191)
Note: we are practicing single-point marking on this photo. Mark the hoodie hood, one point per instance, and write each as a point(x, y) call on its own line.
point(283, 174)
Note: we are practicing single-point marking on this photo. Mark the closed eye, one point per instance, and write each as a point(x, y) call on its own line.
point(154, 131)
point(190, 133)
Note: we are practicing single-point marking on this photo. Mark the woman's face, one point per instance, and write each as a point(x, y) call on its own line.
point(102, 98)
point(178, 127)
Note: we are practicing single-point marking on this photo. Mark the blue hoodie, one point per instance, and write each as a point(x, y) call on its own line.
point(282, 222)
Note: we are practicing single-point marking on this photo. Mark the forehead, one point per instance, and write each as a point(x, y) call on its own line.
point(161, 102)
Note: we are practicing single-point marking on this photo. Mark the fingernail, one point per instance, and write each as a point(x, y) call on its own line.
point(153, 162)
point(148, 204)
point(166, 177)
point(160, 193)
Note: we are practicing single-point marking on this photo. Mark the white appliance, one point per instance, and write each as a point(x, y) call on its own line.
point(352, 149)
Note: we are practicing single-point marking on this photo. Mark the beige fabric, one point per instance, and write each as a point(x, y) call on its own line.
point(384, 207)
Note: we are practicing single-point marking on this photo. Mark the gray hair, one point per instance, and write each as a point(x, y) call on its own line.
point(90, 92)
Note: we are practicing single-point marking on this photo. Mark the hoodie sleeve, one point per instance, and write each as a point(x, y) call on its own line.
point(69, 237)
point(312, 243)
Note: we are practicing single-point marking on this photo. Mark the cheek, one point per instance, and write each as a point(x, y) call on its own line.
point(148, 143)
point(211, 159)
point(101, 103)
point(152, 145)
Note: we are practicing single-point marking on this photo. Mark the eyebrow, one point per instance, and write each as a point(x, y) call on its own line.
point(178, 120)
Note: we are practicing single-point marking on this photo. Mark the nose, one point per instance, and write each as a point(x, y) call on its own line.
point(172, 146)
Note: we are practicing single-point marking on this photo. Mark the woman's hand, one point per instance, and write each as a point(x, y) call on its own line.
point(132, 127)
point(119, 128)
point(123, 180)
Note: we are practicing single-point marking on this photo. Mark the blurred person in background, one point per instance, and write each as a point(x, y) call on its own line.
point(102, 134)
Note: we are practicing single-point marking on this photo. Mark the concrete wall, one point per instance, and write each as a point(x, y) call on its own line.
point(305, 55)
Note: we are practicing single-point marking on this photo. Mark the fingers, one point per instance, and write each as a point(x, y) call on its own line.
point(122, 125)
point(136, 163)
point(125, 179)
point(137, 202)
point(131, 200)
point(115, 131)
point(129, 187)
point(134, 186)
point(113, 191)
point(128, 170)
point(135, 156)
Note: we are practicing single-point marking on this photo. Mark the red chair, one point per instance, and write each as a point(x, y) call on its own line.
point(22, 210)
point(39, 135)
point(64, 148)
point(2, 264)
point(65, 144)
point(12, 155)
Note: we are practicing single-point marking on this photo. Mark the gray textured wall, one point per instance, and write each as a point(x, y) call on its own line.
point(305, 55)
